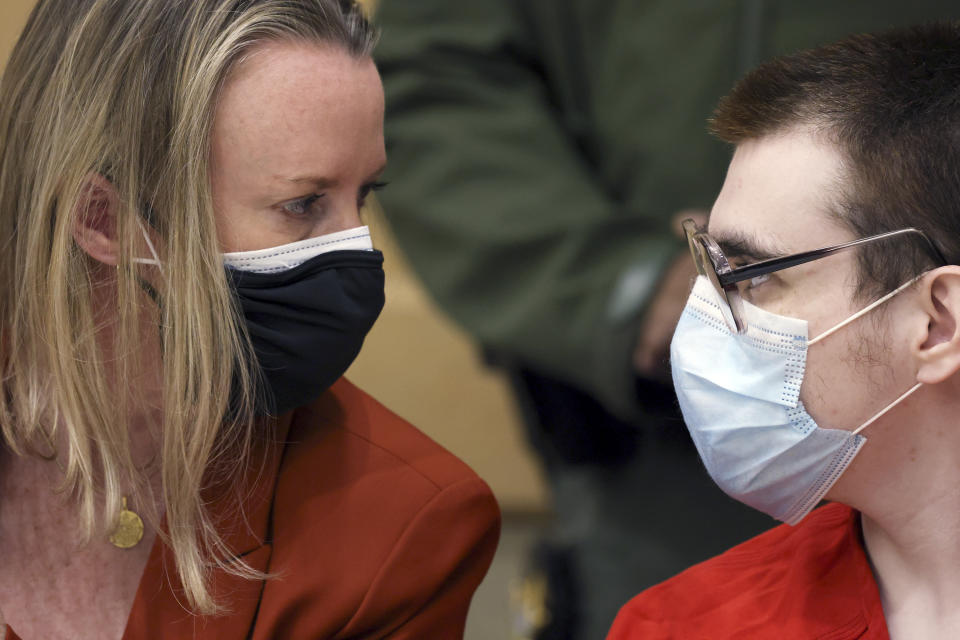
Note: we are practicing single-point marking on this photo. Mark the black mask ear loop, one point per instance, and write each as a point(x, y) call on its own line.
point(150, 291)
point(148, 215)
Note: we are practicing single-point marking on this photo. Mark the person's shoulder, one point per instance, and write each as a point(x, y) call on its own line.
point(754, 588)
point(370, 518)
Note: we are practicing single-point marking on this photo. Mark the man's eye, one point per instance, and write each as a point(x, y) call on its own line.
point(758, 280)
point(302, 207)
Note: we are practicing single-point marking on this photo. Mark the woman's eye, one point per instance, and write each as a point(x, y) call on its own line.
point(367, 189)
point(302, 206)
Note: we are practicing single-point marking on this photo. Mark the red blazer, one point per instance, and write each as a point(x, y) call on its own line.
point(812, 581)
point(373, 531)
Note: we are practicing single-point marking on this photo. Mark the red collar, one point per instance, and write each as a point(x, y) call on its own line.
point(809, 581)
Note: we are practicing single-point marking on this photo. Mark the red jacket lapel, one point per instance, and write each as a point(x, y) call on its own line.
point(159, 610)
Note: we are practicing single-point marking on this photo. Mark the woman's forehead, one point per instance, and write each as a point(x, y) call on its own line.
point(291, 88)
point(294, 109)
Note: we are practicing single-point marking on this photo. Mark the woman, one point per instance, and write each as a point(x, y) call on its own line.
point(185, 277)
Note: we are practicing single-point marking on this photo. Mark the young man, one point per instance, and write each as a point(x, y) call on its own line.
point(539, 152)
point(806, 374)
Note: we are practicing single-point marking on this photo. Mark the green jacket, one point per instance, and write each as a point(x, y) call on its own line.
point(539, 149)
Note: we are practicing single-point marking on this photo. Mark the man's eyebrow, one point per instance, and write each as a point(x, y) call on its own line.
point(736, 244)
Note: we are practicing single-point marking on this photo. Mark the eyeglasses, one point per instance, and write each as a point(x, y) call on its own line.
point(712, 263)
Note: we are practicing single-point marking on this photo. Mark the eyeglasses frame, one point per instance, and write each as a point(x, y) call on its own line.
point(725, 278)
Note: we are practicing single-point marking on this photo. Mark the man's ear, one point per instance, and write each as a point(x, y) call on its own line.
point(95, 223)
point(938, 348)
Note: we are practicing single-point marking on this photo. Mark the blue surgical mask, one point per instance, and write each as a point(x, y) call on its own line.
point(740, 398)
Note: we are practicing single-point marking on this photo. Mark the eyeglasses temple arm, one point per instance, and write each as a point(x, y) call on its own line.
point(777, 264)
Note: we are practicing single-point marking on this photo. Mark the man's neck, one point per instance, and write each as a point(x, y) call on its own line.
point(914, 552)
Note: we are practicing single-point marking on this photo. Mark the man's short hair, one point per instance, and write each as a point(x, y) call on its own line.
point(891, 104)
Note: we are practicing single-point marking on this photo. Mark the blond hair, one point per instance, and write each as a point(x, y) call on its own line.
point(127, 89)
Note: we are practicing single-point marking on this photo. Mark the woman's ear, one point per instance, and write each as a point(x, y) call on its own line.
point(938, 348)
point(95, 223)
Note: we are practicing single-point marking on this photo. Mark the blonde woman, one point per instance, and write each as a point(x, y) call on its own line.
point(183, 280)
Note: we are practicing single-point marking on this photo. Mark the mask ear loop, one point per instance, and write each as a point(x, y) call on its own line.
point(862, 312)
point(146, 286)
point(889, 406)
point(156, 258)
point(859, 314)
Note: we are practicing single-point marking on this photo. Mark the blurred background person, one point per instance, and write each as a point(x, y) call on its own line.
point(541, 152)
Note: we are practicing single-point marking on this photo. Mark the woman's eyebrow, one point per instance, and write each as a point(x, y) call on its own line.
point(379, 172)
point(317, 181)
point(322, 182)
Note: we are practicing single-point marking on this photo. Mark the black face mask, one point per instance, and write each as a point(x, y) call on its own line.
point(307, 323)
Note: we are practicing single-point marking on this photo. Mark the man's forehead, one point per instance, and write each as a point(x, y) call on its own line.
point(780, 196)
